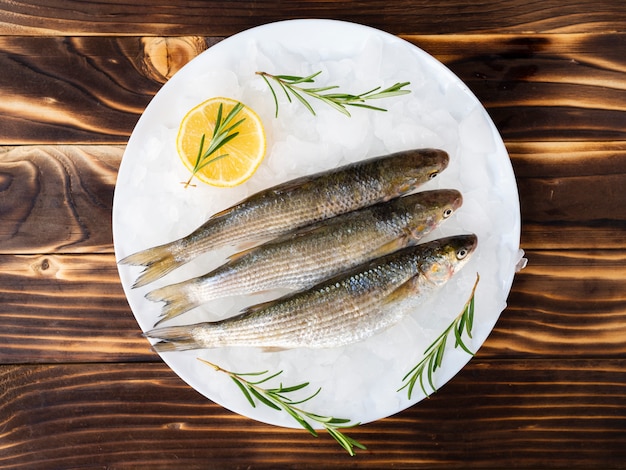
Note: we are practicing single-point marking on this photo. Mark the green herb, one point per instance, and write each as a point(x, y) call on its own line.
point(290, 84)
point(433, 356)
point(277, 399)
point(222, 134)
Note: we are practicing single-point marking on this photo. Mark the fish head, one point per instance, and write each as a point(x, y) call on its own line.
point(447, 256)
point(427, 209)
point(404, 171)
point(417, 167)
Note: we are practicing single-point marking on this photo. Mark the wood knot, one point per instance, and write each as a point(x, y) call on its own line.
point(45, 267)
point(163, 57)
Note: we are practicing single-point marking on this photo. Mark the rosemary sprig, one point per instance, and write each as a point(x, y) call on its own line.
point(433, 356)
point(277, 399)
point(290, 85)
point(222, 134)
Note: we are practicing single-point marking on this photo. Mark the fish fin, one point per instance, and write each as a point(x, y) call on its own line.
point(407, 238)
point(269, 349)
point(168, 346)
point(252, 309)
point(389, 247)
point(289, 185)
point(174, 338)
point(222, 213)
point(241, 254)
point(401, 292)
point(158, 261)
point(176, 298)
point(247, 247)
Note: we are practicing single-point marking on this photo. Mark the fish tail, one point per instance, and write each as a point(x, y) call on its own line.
point(178, 299)
point(158, 261)
point(174, 338)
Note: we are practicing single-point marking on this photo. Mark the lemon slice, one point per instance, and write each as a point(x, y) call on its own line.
point(233, 162)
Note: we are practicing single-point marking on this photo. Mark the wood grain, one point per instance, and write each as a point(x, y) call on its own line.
point(56, 199)
point(571, 193)
point(493, 414)
point(159, 17)
point(71, 308)
point(69, 90)
point(59, 308)
point(564, 304)
point(93, 89)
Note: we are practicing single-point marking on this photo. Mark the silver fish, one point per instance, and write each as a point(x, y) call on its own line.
point(296, 203)
point(301, 259)
point(339, 311)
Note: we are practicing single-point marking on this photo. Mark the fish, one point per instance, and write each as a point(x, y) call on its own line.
point(301, 258)
point(295, 203)
point(339, 311)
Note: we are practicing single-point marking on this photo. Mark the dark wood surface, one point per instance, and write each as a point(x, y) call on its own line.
point(79, 386)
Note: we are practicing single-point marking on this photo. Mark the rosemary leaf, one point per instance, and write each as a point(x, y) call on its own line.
point(298, 402)
point(200, 150)
point(395, 90)
point(300, 98)
point(243, 374)
point(368, 106)
point(432, 366)
point(470, 318)
point(263, 380)
point(244, 391)
point(259, 396)
point(291, 86)
point(345, 441)
point(208, 162)
point(273, 93)
point(275, 399)
point(300, 420)
point(293, 388)
point(434, 354)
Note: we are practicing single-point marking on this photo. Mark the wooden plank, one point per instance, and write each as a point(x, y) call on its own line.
point(71, 308)
point(66, 308)
point(159, 17)
point(69, 90)
point(564, 304)
point(57, 199)
point(93, 89)
point(494, 414)
point(558, 182)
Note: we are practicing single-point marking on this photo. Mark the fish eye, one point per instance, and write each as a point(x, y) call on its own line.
point(433, 175)
point(447, 213)
point(462, 253)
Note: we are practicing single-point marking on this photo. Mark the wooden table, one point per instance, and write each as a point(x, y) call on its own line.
point(79, 387)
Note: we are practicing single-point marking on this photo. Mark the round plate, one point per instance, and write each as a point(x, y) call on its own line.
point(361, 381)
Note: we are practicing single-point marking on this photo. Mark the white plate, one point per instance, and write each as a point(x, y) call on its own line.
point(151, 207)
